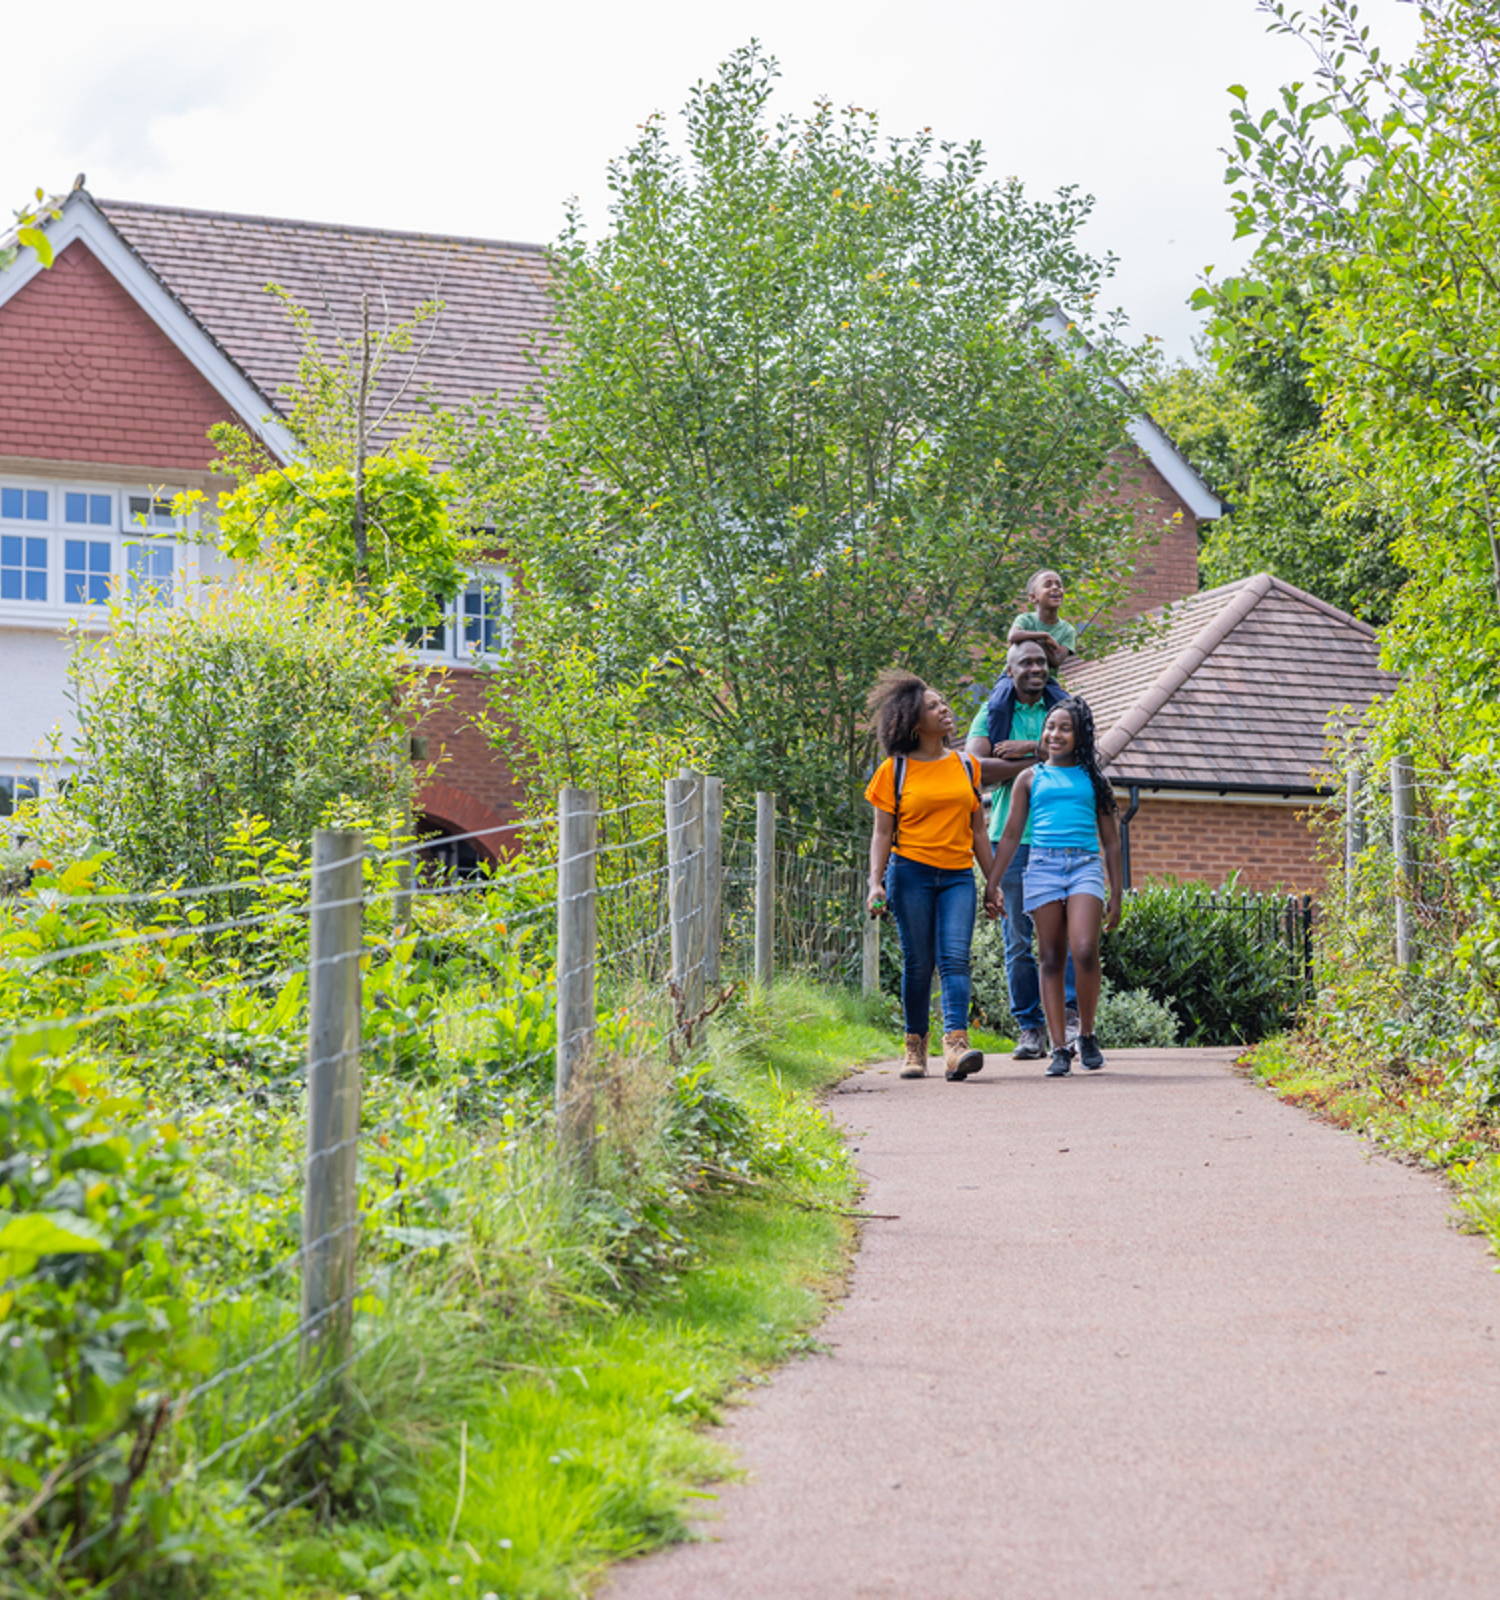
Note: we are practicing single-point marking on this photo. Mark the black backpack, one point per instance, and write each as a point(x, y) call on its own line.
point(898, 777)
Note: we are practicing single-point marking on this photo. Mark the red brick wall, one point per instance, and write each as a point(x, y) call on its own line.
point(1170, 570)
point(86, 375)
point(1270, 846)
point(466, 784)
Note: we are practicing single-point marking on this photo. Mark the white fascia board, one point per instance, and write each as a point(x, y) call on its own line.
point(1149, 439)
point(82, 220)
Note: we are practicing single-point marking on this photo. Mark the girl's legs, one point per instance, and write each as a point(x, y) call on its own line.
point(1085, 917)
point(956, 901)
point(1051, 922)
point(911, 892)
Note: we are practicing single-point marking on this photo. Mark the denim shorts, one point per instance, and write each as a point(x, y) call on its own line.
point(1056, 874)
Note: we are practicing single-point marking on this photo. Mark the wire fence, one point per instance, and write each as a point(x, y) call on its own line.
point(342, 1056)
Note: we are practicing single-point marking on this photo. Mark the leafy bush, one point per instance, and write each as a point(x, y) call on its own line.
point(94, 1326)
point(272, 695)
point(1131, 1019)
point(1228, 980)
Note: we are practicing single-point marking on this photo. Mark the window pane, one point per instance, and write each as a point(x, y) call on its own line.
point(85, 571)
point(75, 507)
point(431, 637)
point(7, 796)
point(36, 505)
point(149, 568)
point(102, 510)
point(149, 514)
point(23, 568)
point(12, 503)
point(484, 616)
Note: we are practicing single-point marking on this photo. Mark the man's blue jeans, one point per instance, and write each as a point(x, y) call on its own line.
point(934, 909)
point(1021, 976)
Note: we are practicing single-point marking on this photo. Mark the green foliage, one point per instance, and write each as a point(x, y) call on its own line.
point(387, 534)
point(95, 1337)
point(1252, 430)
point(1225, 974)
point(29, 231)
point(801, 421)
point(1131, 1019)
point(271, 695)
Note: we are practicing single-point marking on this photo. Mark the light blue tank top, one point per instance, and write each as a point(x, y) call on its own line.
point(1064, 813)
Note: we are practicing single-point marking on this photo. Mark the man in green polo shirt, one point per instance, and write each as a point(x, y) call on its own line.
point(1001, 764)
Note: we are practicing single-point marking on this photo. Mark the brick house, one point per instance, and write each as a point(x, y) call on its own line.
point(1214, 732)
point(153, 324)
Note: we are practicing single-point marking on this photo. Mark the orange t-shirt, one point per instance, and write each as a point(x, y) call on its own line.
point(937, 802)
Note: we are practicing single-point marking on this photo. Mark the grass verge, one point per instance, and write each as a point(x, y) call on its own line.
point(584, 1441)
point(1414, 1115)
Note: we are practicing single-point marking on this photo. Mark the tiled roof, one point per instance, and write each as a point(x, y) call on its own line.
point(495, 295)
point(1236, 692)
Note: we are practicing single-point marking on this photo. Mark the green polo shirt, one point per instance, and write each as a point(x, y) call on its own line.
point(1026, 723)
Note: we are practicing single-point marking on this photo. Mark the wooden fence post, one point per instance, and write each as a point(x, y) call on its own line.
point(1403, 816)
point(685, 879)
point(577, 941)
point(330, 1200)
point(713, 882)
point(765, 890)
point(869, 976)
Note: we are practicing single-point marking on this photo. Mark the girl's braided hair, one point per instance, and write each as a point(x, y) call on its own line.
point(1085, 752)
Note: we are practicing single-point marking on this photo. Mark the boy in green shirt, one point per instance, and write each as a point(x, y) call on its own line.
point(1042, 625)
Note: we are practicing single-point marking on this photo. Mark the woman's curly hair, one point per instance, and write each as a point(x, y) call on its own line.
point(1085, 751)
point(895, 706)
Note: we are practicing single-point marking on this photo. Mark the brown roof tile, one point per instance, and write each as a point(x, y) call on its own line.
point(495, 295)
point(1237, 691)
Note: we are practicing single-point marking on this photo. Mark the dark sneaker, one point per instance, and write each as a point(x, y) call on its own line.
point(1089, 1052)
point(1029, 1046)
point(1061, 1063)
point(1071, 1025)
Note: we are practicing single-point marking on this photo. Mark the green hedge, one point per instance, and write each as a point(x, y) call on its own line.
point(1219, 966)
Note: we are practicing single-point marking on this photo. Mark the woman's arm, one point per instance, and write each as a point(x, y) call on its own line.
point(1114, 869)
point(982, 852)
point(1015, 826)
point(882, 835)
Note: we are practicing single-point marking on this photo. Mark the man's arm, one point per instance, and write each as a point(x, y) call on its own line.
point(1005, 764)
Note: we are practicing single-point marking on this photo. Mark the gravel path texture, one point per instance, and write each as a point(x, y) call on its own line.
point(1145, 1332)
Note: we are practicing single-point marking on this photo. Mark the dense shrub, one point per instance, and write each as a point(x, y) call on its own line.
point(1130, 1019)
point(1223, 970)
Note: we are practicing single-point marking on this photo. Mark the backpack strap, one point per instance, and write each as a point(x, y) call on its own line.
point(898, 782)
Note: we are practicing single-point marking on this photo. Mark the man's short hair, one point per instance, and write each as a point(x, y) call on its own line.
point(1024, 644)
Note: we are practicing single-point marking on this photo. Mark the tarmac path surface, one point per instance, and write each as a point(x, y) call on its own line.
point(1150, 1332)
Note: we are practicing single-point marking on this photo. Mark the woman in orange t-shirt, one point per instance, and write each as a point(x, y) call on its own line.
point(922, 853)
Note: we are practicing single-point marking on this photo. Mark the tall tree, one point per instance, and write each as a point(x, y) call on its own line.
point(804, 420)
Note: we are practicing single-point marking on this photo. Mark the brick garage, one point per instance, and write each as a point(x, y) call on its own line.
point(464, 786)
point(1207, 841)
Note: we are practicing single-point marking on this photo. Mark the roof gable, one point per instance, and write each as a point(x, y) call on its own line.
point(88, 376)
point(1236, 692)
point(82, 220)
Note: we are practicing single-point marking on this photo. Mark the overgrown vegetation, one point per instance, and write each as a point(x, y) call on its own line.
point(532, 1350)
point(804, 420)
point(1370, 194)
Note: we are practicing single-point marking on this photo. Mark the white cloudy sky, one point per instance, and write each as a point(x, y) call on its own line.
point(480, 119)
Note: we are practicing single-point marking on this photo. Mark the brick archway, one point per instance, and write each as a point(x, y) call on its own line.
point(462, 813)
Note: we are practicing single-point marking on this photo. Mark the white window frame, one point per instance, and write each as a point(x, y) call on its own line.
point(455, 650)
point(184, 536)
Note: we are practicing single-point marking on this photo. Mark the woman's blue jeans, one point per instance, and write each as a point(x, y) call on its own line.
point(934, 909)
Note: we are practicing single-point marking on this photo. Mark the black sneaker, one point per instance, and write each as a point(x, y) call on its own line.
point(1061, 1063)
point(1089, 1052)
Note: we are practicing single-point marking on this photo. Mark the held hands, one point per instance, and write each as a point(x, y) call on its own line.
point(994, 902)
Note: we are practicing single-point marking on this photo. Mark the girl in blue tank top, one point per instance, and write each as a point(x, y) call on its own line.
point(1075, 839)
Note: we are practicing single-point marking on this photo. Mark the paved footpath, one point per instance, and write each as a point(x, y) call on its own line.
point(1145, 1333)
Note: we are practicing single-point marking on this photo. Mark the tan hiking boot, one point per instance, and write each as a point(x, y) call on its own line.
point(959, 1061)
point(915, 1065)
